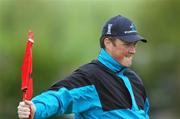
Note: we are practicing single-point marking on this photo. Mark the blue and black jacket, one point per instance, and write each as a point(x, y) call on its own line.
point(102, 89)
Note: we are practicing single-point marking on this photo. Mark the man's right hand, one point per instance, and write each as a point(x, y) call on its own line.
point(25, 109)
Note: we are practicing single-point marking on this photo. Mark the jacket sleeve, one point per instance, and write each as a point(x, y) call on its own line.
point(74, 94)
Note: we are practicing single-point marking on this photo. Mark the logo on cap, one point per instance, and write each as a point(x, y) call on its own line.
point(132, 29)
point(109, 28)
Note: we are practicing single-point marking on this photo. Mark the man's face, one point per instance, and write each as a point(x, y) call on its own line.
point(122, 51)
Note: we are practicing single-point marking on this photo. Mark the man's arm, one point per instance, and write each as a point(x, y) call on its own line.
point(52, 103)
point(66, 95)
point(46, 104)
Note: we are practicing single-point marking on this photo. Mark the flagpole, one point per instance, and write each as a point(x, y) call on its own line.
point(27, 82)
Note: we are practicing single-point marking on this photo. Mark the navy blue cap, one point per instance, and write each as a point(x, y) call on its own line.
point(122, 28)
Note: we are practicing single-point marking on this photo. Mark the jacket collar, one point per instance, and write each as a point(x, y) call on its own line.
point(109, 61)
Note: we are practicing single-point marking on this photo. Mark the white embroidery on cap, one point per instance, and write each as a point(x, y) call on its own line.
point(109, 28)
point(133, 29)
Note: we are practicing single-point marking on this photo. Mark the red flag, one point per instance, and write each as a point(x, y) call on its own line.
point(27, 82)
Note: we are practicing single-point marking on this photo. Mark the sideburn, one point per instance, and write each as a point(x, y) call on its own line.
point(113, 41)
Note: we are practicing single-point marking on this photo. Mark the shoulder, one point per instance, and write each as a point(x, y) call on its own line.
point(82, 76)
point(95, 69)
point(89, 67)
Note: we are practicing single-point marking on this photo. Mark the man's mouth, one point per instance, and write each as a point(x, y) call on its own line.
point(129, 56)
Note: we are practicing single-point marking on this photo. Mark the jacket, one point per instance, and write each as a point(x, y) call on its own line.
point(101, 89)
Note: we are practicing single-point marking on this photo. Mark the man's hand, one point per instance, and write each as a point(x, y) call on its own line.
point(25, 109)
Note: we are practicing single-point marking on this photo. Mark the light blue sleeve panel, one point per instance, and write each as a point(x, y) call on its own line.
point(52, 103)
point(65, 101)
point(85, 98)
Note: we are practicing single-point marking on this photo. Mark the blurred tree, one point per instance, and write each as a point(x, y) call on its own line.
point(162, 68)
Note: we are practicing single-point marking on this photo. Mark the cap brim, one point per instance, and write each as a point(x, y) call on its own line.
point(132, 38)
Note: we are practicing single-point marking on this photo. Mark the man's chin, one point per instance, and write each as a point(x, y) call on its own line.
point(126, 65)
point(126, 62)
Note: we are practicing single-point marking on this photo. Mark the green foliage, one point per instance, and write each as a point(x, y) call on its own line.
point(67, 35)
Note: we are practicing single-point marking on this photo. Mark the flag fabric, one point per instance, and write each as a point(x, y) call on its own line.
point(27, 82)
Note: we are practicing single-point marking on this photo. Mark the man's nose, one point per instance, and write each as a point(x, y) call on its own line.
point(132, 49)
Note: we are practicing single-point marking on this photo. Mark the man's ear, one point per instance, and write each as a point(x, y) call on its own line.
point(107, 43)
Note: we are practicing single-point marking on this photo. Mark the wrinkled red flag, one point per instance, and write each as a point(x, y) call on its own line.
point(27, 82)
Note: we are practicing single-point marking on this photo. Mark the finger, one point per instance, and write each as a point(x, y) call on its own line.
point(23, 104)
point(25, 109)
point(22, 114)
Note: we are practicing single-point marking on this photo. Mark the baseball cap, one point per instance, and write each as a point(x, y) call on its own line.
point(121, 28)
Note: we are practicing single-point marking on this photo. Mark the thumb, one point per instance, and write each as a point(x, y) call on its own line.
point(27, 102)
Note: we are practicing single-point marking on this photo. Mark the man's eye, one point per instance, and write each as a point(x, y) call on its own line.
point(127, 44)
point(130, 44)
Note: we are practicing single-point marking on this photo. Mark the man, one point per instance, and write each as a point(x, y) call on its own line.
point(102, 89)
